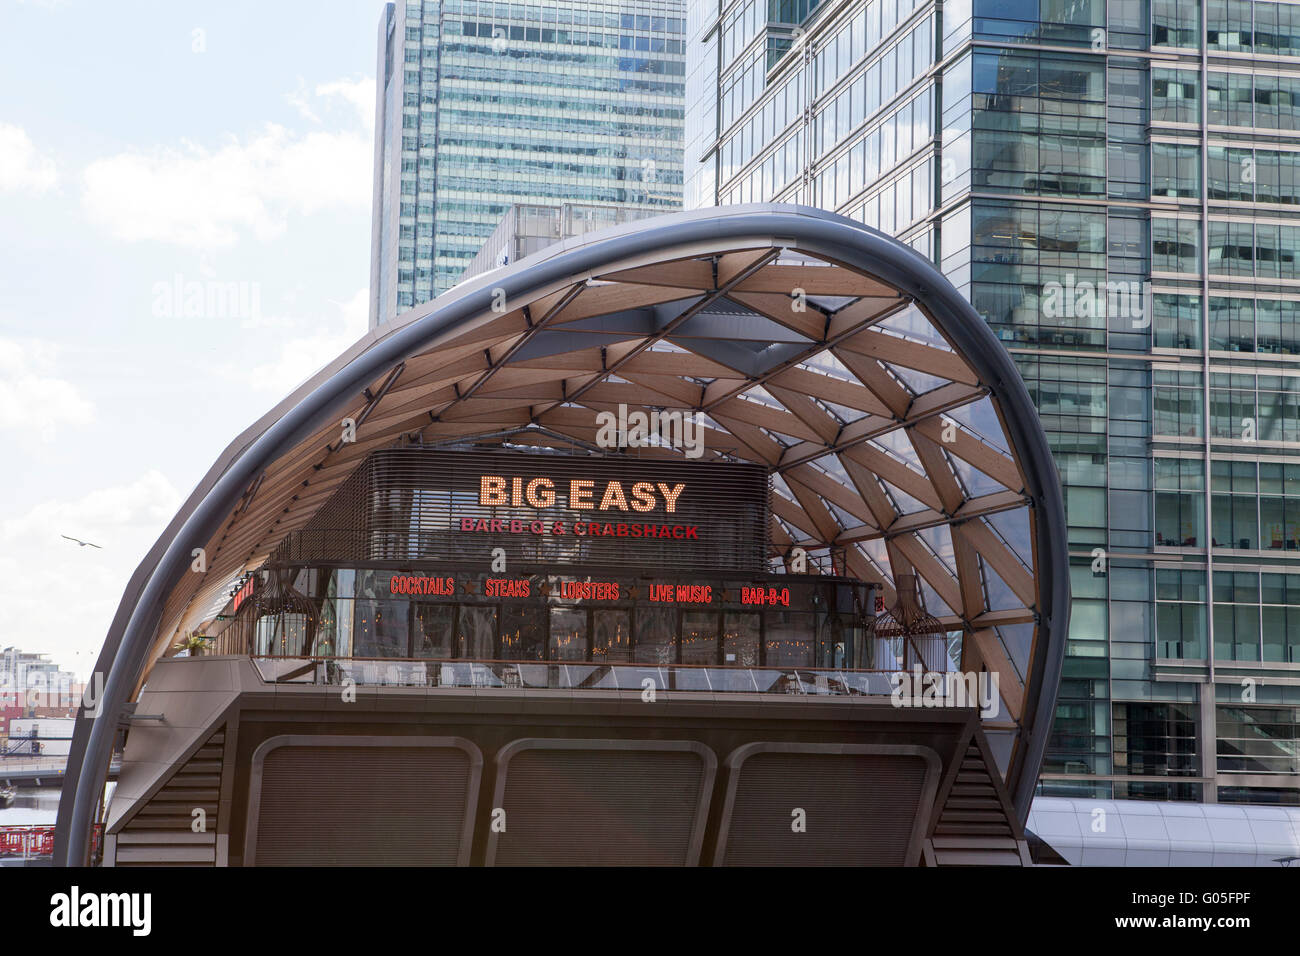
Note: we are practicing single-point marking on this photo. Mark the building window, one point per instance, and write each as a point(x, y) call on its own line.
point(1180, 613)
point(1236, 615)
point(1180, 502)
point(1258, 739)
point(1175, 171)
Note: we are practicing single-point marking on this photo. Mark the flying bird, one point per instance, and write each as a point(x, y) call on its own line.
point(82, 543)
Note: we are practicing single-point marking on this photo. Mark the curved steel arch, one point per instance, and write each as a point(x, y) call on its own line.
point(835, 239)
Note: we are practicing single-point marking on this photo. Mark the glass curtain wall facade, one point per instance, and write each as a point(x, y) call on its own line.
point(482, 105)
point(1115, 186)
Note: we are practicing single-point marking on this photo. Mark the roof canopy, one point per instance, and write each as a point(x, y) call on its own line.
point(893, 422)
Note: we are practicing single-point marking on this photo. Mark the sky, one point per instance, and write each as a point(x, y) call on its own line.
point(184, 237)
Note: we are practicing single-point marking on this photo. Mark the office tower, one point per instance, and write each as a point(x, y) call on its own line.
point(482, 105)
point(1114, 187)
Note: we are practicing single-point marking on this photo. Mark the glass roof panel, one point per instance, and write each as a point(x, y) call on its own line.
point(903, 503)
point(898, 446)
point(877, 554)
point(843, 412)
point(779, 485)
point(782, 439)
point(980, 418)
point(911, 323)
point(999, 596)
point(825, 363)
point(1013, 528)
point(1017, 639)
point(939, 539)
point(973, 480)
point(759, 394)
point(933, 603)
point(918, 382)
point(845, 520)
point(831, 465)
point(789, 257)
point(831, 303)
point(789, 529)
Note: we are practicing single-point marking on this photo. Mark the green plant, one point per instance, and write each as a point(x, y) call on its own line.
point(192, 642)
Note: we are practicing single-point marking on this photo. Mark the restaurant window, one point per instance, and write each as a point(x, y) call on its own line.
point(655, 629)
point(740, 636)
point(699, 637)
point(476, 631)
point(523, 632)
point(612, 637)
point(790, 639)
point(433, 630)
point(568, 641)
point(381, 629)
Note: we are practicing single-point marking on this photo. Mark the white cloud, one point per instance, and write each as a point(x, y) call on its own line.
point(301, 355)
point(196, 196)
point(353, 94)
point(21, 167)
point(300, 99)
point(359, 94)
point(60, 597)
point(33, 398)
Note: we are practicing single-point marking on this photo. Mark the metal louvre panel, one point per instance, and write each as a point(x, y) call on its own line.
point(406, 505)
point(611, 803)
point(362, 806)
point(861, 809)
point(160, 833)
point(196, 784)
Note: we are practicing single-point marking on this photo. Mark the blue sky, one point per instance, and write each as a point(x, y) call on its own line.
point(184, 236)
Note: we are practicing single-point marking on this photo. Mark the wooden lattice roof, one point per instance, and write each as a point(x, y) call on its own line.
point(882, 439)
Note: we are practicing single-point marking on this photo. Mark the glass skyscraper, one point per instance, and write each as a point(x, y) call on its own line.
point(1116, 188)
point(482, 105)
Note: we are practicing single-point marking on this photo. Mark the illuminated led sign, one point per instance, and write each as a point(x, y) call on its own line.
point(415, 585)
point(642, 496)
point(242, 594)
point(592, 529)
point(420, 585)
point(599, 512)
point(589, 590)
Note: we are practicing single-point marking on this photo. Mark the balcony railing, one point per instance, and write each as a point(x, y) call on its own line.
point(570, 676)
